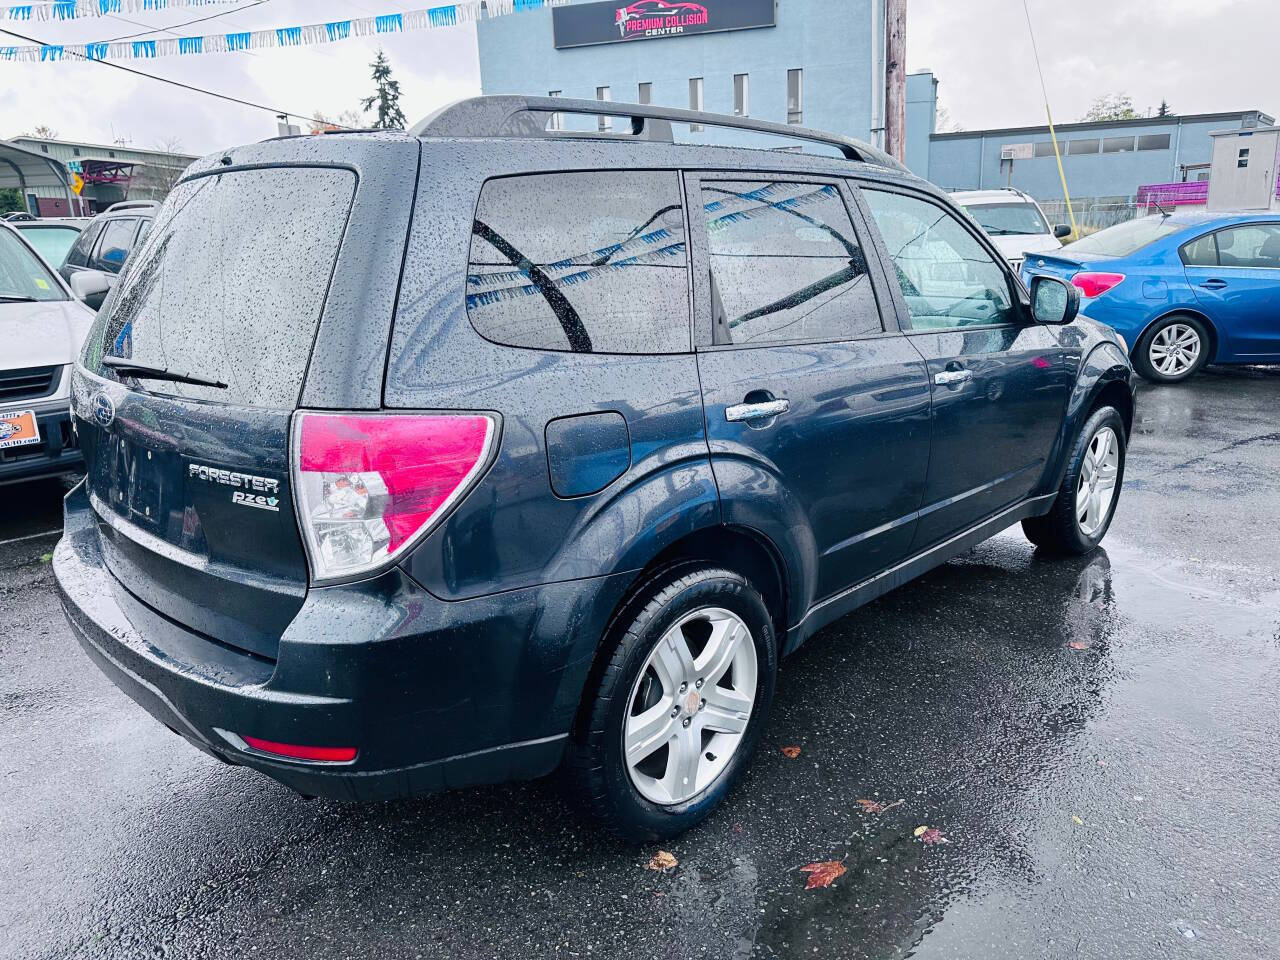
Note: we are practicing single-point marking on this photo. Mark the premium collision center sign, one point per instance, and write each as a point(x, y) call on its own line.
point(587, 24)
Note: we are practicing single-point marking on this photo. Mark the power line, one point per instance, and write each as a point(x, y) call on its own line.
point(174, 26)
point(276, 111)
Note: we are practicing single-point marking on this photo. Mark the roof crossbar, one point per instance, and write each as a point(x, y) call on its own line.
point(527, 117)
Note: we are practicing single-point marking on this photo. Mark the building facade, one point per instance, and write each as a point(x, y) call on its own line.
point(1109, 159)
point(111, 173)
point(818, 63)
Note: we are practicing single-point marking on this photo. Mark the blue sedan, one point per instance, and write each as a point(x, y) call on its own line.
point(1182, 290)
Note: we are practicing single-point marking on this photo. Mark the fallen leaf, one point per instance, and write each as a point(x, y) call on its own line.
point(46, 558)
point(932, 836)
point(1078, 645)
point(919, 831)
point(791, 752)
point(1079, 822)
point(822, 874)
point(663, 861)
point(871, 806)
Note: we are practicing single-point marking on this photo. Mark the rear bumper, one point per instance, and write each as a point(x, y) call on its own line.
point(433, 694)
point(56, 453)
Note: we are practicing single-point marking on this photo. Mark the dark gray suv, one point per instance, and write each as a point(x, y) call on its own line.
point(417, 461)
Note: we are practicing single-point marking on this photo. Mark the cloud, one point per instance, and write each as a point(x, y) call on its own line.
point(1202, 56)
point(98, 103)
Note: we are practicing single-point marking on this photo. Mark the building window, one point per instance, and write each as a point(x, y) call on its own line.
point(557, 119)
point(1242, 159)
point(111, 153)
point(695, 100)
point(1077, 147)
point(795, 96)
point(44, 148)
point(75, 151)
point(605, 94)
point(1154, 141)
point(1044, 148)
point(1117, 145)
point(741, 96)
point(646, 93)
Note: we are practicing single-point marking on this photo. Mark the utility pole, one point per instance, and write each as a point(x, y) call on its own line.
point(895, 79)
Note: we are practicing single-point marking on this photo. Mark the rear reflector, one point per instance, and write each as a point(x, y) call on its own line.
point(295, 752)
point(1096, 284)
point(369, 486)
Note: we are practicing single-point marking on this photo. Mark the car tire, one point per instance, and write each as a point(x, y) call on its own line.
point(1083, 510)
point(640, 791)
point(1173, 350)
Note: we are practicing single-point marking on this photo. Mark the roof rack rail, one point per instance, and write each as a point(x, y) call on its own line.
point(514, 116)
point(132, 205)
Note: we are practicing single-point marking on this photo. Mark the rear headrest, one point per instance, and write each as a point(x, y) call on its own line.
point(1271, 248)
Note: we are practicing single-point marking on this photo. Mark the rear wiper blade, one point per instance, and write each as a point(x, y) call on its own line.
point(146, 372)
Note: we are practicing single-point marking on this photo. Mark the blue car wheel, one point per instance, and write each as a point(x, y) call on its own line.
point(1173, 349)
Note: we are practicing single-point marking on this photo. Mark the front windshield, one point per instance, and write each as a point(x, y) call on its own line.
point(50, 242)
point(1007, 219)
point(22, 276)
point(1125, 238)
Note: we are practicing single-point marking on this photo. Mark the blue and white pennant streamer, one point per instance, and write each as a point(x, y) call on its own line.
point(300, 36)
point(85, 9)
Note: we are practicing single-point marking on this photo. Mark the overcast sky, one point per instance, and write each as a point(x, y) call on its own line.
point(1200, 55)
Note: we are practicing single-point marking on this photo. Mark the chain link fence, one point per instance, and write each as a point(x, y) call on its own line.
point(1094, 213)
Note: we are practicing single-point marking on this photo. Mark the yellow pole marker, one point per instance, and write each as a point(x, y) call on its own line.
point(1057, 152)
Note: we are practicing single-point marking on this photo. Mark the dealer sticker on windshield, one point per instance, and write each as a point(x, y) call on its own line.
point(17, 429)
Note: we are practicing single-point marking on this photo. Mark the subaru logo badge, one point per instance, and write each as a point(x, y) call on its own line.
point(104, 410)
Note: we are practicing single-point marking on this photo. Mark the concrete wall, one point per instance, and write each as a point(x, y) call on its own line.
point(970, 161)
point(831, 40)
point(922, 120)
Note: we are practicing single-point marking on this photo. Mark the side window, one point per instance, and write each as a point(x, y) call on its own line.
point(78, 256)
point(786, 265)
point(117, 241)
point(1255, 245)
point(584, 262)
point(1202, 252)
point(948, 279)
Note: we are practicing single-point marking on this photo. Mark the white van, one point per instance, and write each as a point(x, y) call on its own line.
point(1014, 222)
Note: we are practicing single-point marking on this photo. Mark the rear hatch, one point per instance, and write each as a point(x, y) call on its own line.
point(190, 481)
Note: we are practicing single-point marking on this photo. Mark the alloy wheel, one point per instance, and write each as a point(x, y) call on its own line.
point(1175, 350)
point(690, 706)
point(1096, 488)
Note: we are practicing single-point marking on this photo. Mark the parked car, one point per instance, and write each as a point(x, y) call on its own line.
point(1014, 222)
point(52, 237)
point(542, 464)
point(1183, 290)
point(42, 327)
point(108, 240)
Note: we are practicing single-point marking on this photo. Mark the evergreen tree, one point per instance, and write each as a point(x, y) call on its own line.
point(1164, 110)
point(386, 97)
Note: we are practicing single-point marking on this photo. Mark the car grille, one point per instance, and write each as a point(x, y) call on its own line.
point(28, 383)
point(49, 445)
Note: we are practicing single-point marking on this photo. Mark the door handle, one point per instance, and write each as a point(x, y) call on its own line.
point(951, 378)
point(1214, 284)
point(751, 412)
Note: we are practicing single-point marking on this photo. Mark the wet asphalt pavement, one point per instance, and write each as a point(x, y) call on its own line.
point(1116, 801)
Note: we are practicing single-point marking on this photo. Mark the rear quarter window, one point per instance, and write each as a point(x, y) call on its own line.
point(581, 262)
point(230, 283)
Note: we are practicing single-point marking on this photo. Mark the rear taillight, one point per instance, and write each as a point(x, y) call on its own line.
point(368, 486)
point(294, 751)
point(1096, 284)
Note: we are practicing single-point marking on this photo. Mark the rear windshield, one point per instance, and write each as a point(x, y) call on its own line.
point(1007, 219)
point(229, 284)
point(1125, 238)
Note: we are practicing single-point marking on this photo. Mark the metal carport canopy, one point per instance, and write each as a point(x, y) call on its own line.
point(24, 169)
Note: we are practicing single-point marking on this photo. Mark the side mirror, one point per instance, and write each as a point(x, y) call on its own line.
point(1061, 231)
point(1053, 302)
point(91, 286)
